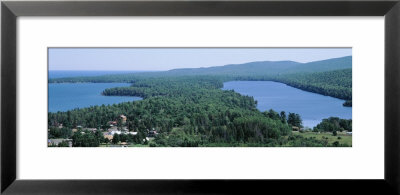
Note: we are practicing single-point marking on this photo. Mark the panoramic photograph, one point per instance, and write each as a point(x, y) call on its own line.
point(199, 97)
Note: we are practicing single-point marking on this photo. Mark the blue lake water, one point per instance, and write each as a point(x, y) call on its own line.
point(67, 96)
point(312, 107)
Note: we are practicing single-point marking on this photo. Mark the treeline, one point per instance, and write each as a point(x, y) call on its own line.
point(166, 86)
point(336, 83)
point(333, 124)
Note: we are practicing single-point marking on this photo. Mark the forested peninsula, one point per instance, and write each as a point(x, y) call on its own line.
point(187, 108)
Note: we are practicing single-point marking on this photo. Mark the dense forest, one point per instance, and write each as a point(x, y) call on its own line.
point(193, 107)
point(182, 108)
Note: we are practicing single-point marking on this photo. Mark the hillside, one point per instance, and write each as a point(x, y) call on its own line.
point(323, 65)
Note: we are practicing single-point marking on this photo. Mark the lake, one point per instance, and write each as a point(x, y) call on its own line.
point(312, 107)
point(270, 95)
point(67, 96)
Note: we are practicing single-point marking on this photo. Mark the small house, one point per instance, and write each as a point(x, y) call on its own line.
point(109, 137)
point(115, 132)
point(294, 128)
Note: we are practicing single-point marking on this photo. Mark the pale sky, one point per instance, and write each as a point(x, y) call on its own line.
point(152, 59)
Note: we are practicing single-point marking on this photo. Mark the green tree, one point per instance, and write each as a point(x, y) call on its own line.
point(294, 120)
point(116, 138)
point(283, 117)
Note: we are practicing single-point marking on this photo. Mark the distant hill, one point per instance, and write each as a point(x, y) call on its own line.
point(268, 68)
point(263, 69)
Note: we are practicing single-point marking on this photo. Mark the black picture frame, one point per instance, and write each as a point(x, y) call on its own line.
point(11, 10)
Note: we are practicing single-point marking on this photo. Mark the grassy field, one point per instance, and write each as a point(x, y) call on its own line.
point(118, 145)
point(341, 137)
point(344, 138)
